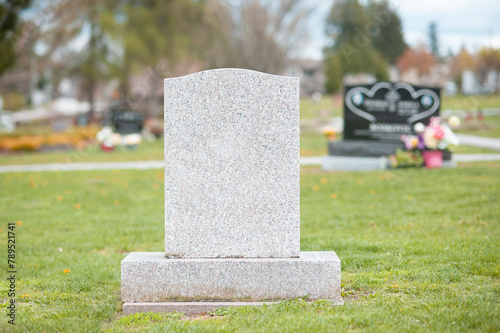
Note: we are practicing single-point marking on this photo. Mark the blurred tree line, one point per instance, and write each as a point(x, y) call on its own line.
point(103, 40)
point(126, 41)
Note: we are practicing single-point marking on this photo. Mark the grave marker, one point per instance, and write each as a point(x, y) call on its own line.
point(384, 111)
point(232, 200)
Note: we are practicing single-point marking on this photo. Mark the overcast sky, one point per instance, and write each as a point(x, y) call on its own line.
point(473, 23)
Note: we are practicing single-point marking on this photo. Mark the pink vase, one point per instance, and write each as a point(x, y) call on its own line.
point(433, 158)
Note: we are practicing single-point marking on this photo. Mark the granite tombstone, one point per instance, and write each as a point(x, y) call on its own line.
point(232, 200)
point(127, 122)
point(384, 111)
point(375, 118)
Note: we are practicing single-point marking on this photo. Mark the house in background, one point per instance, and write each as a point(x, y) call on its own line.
point(310, 73)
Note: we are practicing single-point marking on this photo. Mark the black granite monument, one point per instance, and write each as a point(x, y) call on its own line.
point(375, 117)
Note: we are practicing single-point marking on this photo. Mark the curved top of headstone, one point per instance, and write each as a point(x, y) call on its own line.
point(238, 71)
point(232, 168)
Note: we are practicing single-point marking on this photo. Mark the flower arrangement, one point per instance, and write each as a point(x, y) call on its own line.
point(77, 137)
point(434, 136)
point(406, 159)
point(427, 144)
point(329, 131)
point(109, 140)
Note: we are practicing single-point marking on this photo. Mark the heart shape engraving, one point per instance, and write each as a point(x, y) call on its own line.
point(429, 100)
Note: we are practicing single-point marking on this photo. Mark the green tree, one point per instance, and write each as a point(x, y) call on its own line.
point(154, 36)
point(64, 22)
point(487, 60)
point(10, 30)
point(353, 48)
point(433, 39)
point(333, 72)
point(386, 30)
point(346, 22)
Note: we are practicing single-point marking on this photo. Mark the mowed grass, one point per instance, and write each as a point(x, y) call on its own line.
point(463, 102)
point(489, 127)
point(311, 144)
point(419, 250)
point(146, 151)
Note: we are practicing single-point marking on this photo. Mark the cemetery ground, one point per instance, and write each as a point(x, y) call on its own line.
point(311, 144)
point(419, 251)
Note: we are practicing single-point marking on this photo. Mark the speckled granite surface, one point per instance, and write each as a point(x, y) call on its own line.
point(149, 277)
point(232, 165)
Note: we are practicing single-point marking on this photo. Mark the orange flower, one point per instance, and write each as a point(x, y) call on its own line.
point(19, 223)
point(116, 202)
point(66, 271)
point(334, 196)
point(315, 187)
point(59, 198)
point(324, 180)
point(78, 206)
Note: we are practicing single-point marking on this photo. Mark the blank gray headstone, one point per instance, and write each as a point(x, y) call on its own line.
point(232, 174)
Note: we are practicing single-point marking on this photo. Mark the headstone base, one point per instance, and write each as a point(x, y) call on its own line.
point(354, 163)
point(363, 148)
point(152, 283)
point(358, 148)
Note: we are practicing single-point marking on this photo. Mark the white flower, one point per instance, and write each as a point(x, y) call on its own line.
point(450, 137)
point(104, 134)
point(116, 139)
point(419, 127)
point(430, 141)
point(454, 121)
point(132, 139)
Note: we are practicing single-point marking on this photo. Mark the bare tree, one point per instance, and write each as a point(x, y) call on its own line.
point(262, 33)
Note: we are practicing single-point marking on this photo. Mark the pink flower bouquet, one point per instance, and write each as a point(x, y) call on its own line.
point(434, 136)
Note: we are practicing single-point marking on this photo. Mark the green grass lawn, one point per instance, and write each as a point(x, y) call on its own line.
point(419, 251)
point(146, 151)
point(323, 109)
point(461, 102)
point(313, 145)
point(464, 149)
point(310, 145)
point(489, 127)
